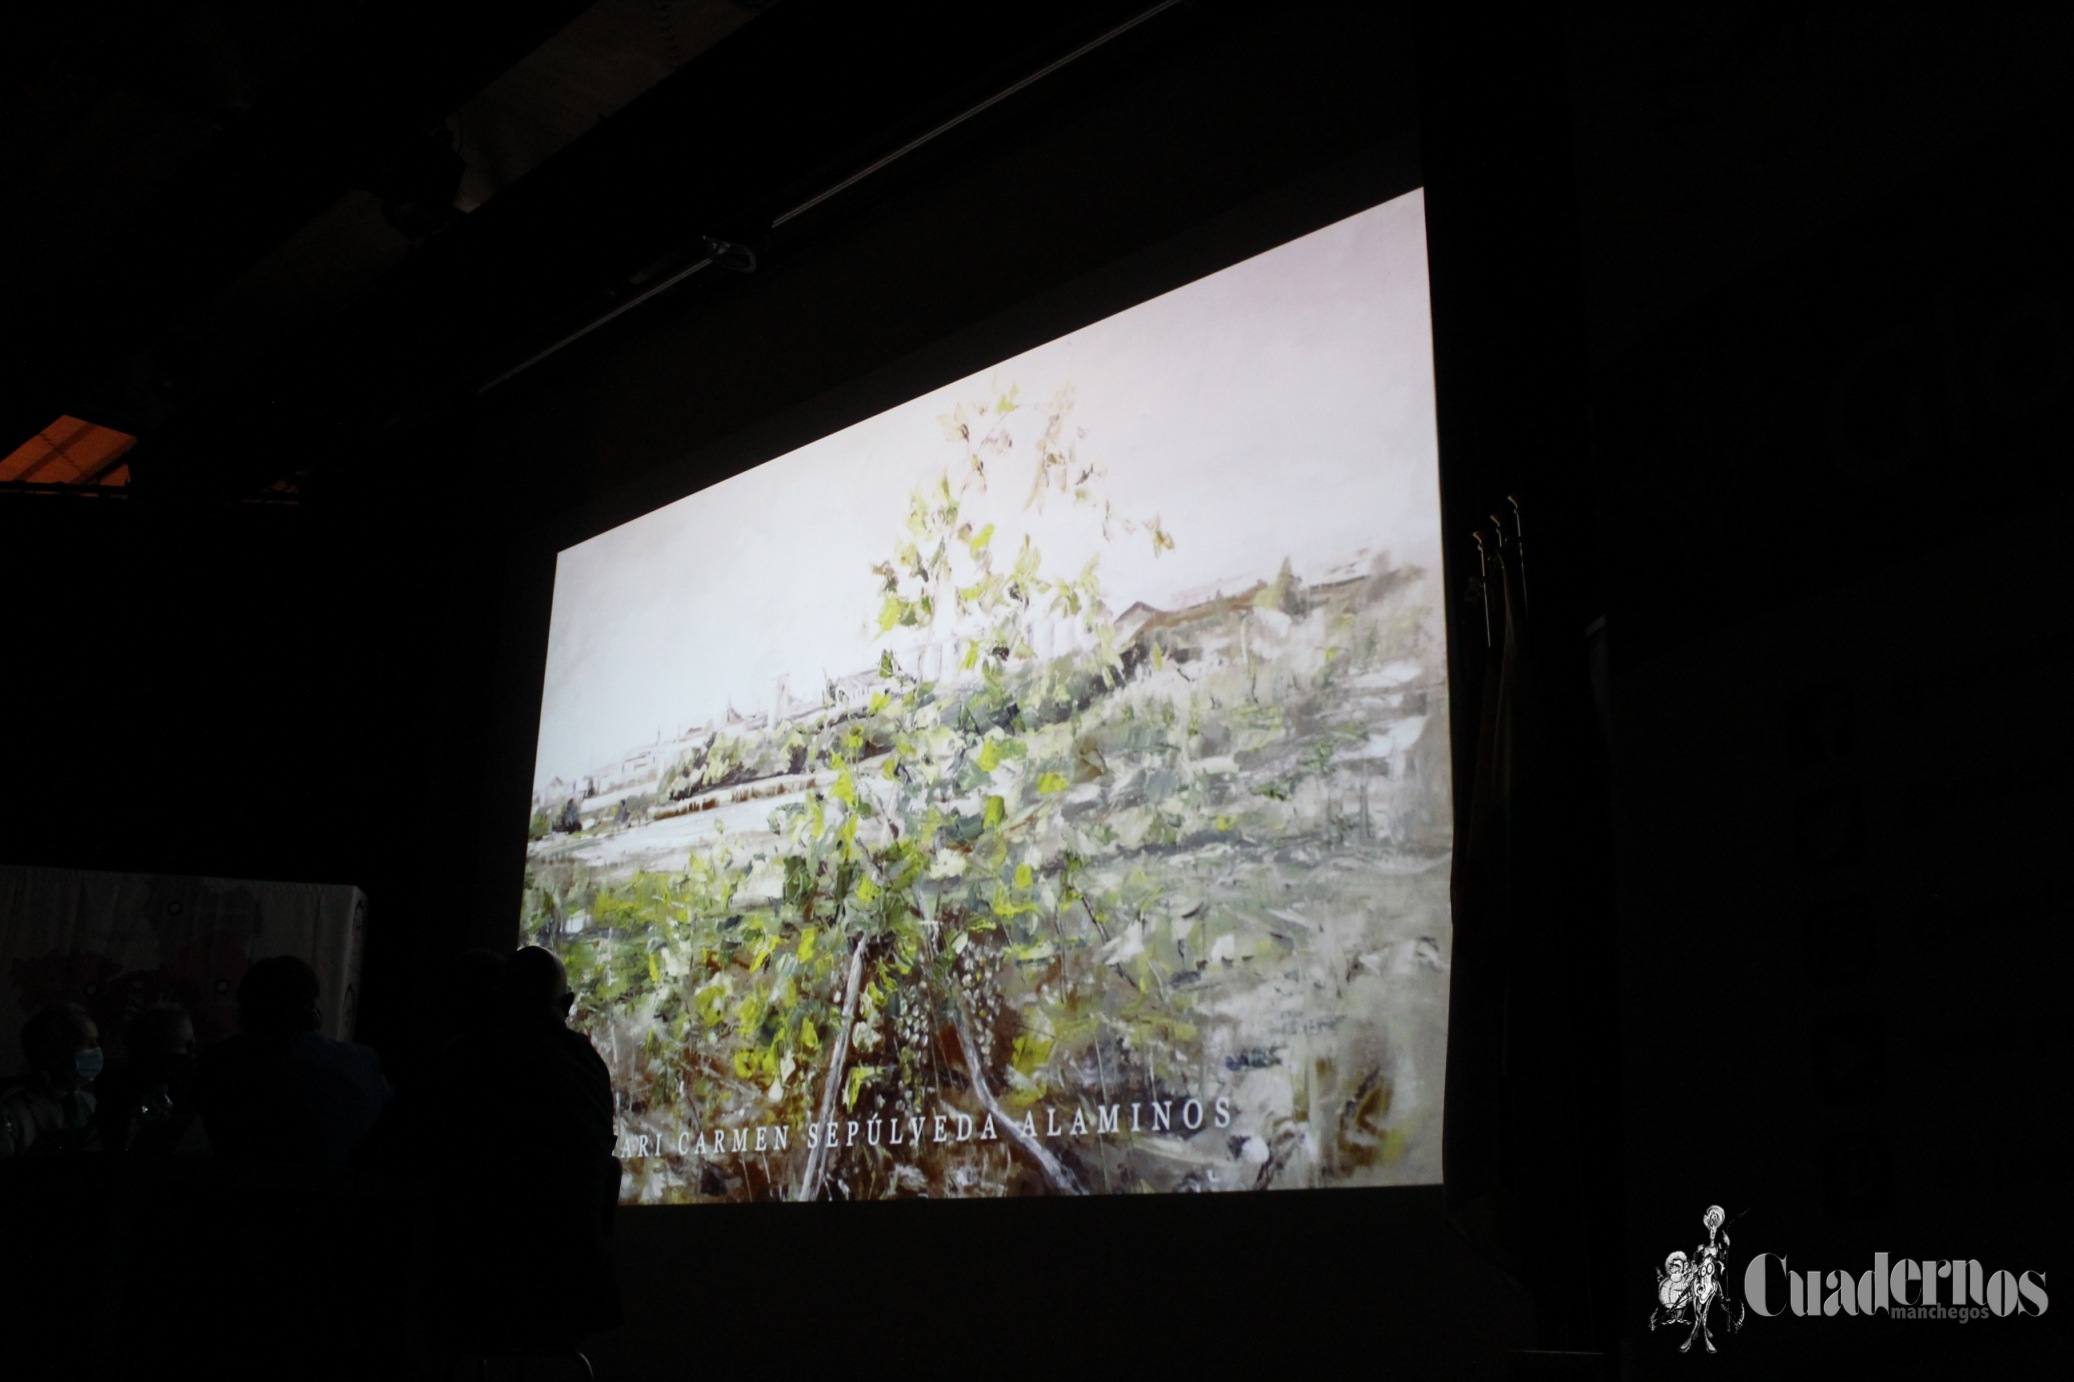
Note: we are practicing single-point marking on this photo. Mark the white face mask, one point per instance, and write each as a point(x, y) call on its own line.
point(86, 1066)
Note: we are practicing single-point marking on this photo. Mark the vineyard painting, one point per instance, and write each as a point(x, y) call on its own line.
point(1048, 788)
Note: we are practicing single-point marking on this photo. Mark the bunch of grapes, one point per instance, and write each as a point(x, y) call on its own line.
point(977, 972)
point(913, 1027)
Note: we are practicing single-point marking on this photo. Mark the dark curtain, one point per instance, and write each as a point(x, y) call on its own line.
point(1526, 1143)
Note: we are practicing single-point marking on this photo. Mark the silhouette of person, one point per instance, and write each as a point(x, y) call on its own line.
point(148, 1101)
point(429, 1113)
point(533, 1263)
point(569, 1089)
point(53, 1112)
point(280, 1090)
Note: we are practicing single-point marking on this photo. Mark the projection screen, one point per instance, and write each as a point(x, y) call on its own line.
point(1041, 787)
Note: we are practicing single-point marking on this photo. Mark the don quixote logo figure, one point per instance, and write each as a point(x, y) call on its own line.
point(1689, 1288)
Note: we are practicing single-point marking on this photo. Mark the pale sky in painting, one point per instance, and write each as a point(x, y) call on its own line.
point(1281, 408)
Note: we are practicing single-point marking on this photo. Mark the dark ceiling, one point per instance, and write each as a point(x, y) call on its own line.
point(258, 236)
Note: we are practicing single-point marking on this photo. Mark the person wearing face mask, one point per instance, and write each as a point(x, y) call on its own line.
point(53, 1113)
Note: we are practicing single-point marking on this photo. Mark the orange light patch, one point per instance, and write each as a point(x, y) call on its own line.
point(71, 451)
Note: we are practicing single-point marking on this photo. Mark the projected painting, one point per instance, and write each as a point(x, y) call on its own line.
point(1041, 787)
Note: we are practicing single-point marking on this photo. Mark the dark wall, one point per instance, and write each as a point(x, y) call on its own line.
point(1840, 760)
point(244, 692)
point(1832, 342)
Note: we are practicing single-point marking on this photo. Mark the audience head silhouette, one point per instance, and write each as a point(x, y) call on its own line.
point(63, 1047)
point(537, 987)
point(161, 1039)
point(278, 997)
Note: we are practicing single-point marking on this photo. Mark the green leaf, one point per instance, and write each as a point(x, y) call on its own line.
point(995, 810)
point(1006, 907)
point(711, 1000)
point(1048, 783)
point(994, 752)
point(1031, 1050)
point(854, 1082)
